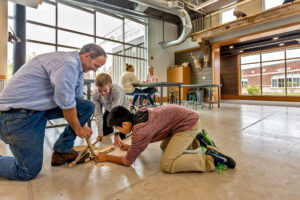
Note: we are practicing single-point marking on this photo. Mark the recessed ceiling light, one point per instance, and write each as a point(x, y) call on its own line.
point(231, 47)
point(275, 38)
point(281, 44)
point(241, 51)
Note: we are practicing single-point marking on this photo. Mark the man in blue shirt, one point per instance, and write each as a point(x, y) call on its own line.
point(49, 86)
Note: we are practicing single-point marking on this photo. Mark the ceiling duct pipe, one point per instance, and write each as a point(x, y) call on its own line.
point(175, 8)
point(104, 7)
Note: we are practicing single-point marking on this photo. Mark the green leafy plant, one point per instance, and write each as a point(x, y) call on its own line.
point(253, 90)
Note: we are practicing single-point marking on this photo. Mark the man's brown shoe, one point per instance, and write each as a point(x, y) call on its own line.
point(62, 158)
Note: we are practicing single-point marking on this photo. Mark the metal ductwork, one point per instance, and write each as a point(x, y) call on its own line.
point(105, 7)
point(175, 8)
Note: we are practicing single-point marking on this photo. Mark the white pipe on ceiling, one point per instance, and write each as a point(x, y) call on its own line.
point(175, 8)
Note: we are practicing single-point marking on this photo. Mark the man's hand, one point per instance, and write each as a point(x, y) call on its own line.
point(100, 158)
point(71, 116)
point(100, 137)
point(84, 132)
point(117, 141)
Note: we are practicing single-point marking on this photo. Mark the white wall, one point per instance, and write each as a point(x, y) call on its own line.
point(163, 58)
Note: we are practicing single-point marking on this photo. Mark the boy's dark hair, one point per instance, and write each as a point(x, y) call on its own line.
point(117, 115)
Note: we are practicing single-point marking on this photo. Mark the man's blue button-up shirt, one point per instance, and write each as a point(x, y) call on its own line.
point(45, 82)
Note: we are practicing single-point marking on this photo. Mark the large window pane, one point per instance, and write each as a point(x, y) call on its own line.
point(250, 59)
point(293, 77)
point(250, 76)
point(45, 13)
point(293, 53)
point(75, 19)
point(73, 39)
point(118, 67)
point(10, 7)
point(227, 16)
point(40, 33)
point(276, 55)
point(110, 47)
point(273, 78)
point(10, 47)
point(109, 27)
point(135, 51)
point(34, 49)
point(134, 32)
point(272, 3)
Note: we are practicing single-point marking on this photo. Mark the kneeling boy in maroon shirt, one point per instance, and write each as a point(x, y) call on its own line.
point(178, 127)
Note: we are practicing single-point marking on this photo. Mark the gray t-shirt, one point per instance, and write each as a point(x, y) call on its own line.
point(115, 97)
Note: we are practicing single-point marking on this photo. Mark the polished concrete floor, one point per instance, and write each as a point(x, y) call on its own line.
point(264, 140)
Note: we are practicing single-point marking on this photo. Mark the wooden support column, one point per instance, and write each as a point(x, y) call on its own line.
point(3, 38)
point(216, 68)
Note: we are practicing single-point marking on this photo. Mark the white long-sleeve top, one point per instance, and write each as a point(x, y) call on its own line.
point(115, 97)
point(127, 79)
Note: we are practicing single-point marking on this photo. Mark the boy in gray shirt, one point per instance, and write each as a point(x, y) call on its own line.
point(107, 95)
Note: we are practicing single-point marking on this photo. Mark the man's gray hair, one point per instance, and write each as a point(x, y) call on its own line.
point(94, 49)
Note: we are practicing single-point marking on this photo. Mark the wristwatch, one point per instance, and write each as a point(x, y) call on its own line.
point(116, 133)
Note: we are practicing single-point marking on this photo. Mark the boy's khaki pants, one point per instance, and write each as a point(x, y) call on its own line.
point(175, 159)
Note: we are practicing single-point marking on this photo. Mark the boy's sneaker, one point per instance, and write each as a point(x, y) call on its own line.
point(220, 157)
point(204, 139)
point(62, 158)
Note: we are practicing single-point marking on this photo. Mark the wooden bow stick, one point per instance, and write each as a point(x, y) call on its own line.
point(85, 151)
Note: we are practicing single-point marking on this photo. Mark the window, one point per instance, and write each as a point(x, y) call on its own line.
point(244, 82)
point(75, 19)
point(274, 82)
point(274, 72)
point(281, 82)
point(34, 49)
point(296, 81)
point(133, 31)
point(10, 8)
point(270, 56)
point(113, 27)
point(272, 3)
point(73, 39)
point(227, 16)
point(44, 14)
point(77, 26)
point(250, 75)
point(40, 33)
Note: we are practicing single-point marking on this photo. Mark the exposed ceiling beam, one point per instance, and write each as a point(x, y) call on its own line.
point(261, 18)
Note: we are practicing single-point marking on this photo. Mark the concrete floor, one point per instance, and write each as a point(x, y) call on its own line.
point(264, 141)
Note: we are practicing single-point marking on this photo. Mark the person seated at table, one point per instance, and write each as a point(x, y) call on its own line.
point(151, 78)
point(127, 79)
point(107, 95)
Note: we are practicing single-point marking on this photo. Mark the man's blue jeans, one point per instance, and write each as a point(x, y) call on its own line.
point(24, 133)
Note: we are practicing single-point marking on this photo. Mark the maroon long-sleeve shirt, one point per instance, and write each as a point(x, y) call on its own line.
point(163, 122)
